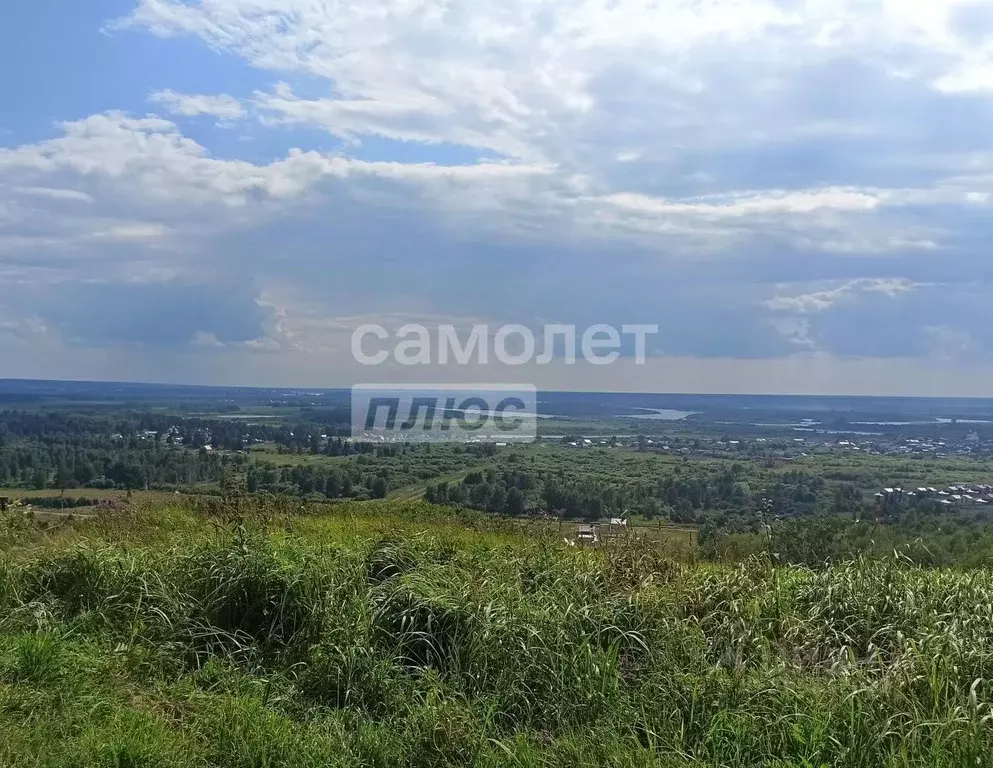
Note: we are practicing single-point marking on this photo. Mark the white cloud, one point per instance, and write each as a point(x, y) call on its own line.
point(869, 243)
point(586, 90)
point(221, 106)
point(610, 156)
point(131, 232)
point(755, 203)
point(150, 159)
point(425, 119)
point(531, 77)
point(54, 194)
point(820, 301)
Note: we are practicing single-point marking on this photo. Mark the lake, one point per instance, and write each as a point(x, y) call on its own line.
point(662, 414)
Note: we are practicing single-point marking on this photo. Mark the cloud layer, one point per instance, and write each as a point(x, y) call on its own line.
point(768, 181)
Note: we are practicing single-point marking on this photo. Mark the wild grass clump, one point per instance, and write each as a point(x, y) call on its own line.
point(247, 600)
point(303, 641)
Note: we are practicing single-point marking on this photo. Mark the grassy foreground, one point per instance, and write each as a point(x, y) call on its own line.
point(372, 635)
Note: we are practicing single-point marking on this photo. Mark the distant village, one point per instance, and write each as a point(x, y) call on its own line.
point(970, 445)
point(953, 495)
point(796, 447)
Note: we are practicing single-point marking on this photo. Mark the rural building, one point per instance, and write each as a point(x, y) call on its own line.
point(588, 533)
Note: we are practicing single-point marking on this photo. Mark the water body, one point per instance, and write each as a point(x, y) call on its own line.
point(509, 413)
point(837, 432)
point(662, 414)
point(920, 423)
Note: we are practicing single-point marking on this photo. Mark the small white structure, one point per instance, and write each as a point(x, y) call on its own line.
point(588, 533)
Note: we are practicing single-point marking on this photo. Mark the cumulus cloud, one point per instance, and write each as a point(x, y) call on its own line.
point(574, 87)
point(749, 173)
point(150, 158)
point(221, 106)
point(532, 77)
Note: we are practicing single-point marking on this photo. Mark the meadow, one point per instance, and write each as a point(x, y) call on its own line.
point(246, 633)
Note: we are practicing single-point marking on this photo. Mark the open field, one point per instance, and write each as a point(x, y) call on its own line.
point(873, 472)
point(242, 635)
point(270, 453)
point(99, 494)
point(417, 490)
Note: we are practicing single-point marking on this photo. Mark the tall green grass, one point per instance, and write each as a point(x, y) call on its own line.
point(174, 637)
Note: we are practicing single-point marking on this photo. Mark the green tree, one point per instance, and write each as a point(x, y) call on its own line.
point(741, 494)
point(515, 503)
point(84, 472)
point(39, 479)
point(379, 488)
point(63, 478)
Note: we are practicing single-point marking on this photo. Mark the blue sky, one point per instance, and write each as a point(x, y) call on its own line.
point(218, 191)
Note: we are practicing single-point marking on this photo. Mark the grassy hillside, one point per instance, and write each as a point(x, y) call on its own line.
point(387, 634)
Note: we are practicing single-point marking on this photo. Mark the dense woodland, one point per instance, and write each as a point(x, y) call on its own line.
point(682, 494)
point(52, 449)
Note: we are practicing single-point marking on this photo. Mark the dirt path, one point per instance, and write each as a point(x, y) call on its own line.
point(414, 492)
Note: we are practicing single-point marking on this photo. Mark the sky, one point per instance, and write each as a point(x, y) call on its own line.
point(797, 192)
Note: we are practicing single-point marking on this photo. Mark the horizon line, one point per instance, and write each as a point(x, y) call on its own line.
point(299, 389)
